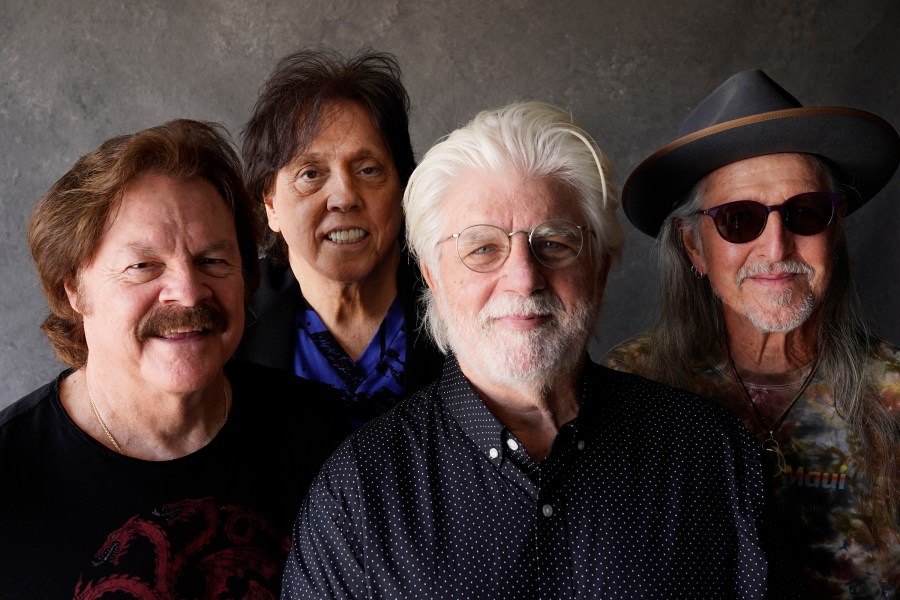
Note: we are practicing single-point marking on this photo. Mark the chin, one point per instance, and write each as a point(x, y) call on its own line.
point(184, 375)
point(784, 314)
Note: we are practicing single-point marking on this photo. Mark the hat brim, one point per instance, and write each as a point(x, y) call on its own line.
point(863, 147)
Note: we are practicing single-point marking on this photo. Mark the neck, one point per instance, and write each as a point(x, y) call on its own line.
point(142, 423)
point(764, 352)
point(532, 410)
point(351, 311)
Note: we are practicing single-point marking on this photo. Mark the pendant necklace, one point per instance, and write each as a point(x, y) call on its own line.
point(770, 444)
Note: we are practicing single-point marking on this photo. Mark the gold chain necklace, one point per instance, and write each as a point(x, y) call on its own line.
point(113, 441)
point(770, 444)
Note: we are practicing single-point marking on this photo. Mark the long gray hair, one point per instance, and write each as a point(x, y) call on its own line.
point(691, 325)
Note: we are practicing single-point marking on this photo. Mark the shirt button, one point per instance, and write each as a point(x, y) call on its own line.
point(547, 510)
point(580, 445)
point(512, 444)
point(493, 453)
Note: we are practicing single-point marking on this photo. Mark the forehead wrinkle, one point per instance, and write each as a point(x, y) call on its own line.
point(146, 250)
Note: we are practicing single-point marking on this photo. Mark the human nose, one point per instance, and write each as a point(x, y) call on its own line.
point(521, 272)
point(342, 194)
point(185, 285)
point(775, 242)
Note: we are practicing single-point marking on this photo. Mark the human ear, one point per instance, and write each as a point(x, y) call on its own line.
point(693, 248)
point(429, 278)
point(271, 214)
point(72, 293)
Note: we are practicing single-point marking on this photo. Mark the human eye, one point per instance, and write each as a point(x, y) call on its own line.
point(309, 177)
point(738, 215)
point(371, 169)
point(484, 250)
point(554, 247)
point(215, 265)
point(140, 266)
point(482, 256)
point(142, 271)
point(210, 261)
point(556, 240)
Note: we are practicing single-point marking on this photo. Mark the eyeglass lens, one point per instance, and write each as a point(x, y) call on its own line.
point(745, 220)
point(555, 244)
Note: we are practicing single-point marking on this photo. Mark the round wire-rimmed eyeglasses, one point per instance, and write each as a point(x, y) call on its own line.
point(484, 248)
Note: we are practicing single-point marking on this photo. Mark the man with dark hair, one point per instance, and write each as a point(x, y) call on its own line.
point(327, 155)
point(758, 312)
point(150, 467)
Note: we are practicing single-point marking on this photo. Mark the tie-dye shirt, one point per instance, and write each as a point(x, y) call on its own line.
point(816, 495)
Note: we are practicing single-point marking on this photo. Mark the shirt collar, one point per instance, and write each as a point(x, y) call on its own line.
point(480, 425)
point(468, 410)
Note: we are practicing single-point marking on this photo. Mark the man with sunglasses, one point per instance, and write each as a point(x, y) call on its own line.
point(758, 312)
point(526, 470)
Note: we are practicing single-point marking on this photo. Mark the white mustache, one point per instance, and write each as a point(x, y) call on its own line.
point(511, 306)
point(794, 267)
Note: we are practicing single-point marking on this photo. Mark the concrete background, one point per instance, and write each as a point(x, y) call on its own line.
point(73, 73)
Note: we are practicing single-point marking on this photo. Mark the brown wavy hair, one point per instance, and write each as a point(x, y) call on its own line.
point(68, 222)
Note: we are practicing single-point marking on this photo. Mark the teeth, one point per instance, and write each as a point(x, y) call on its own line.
point(180, 331)
point(346, 236)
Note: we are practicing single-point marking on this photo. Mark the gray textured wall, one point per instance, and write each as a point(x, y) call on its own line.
point(73, 73)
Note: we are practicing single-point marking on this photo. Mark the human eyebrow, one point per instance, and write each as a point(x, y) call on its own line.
point(217, 247)
point(357, 154)
point(138, 250)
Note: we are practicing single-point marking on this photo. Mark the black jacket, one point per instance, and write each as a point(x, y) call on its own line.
point(269, 334)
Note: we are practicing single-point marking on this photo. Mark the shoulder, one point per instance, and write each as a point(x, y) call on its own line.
point(276, 409)
point(267, 389)
point(403, 433)
point(271, 384)
point(24, 419)
point(630, 355)
point(648, 407)
point(885, 370)
point(28, 405)
point(276, 283)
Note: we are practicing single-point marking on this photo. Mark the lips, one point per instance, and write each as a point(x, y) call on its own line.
point(773, 272)
point(346, 236)
point(773, 276)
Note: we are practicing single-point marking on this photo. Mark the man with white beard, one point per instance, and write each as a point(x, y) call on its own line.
point(526, 470)
point(758, 311)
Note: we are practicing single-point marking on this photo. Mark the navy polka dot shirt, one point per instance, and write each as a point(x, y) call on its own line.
point(650, 492)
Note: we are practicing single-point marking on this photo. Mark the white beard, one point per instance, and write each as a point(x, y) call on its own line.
point(783, 311)
point(537, 356)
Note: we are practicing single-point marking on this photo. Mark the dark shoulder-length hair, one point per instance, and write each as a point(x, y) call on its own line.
point(68, 222)
point(288, 115)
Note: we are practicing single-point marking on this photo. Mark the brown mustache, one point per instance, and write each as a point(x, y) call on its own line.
point(163, 319)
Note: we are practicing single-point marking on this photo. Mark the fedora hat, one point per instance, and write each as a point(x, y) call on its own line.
point(750, 115)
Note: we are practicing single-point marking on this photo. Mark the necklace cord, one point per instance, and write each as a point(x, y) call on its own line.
point(770, 444)
point(113, 441)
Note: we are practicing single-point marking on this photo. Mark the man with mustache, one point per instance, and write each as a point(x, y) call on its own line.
point(526, 470)
point(154, 467)
point(758, 312)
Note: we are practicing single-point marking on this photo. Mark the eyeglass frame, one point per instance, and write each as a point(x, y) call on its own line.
point(835, 198)
point(580, 228)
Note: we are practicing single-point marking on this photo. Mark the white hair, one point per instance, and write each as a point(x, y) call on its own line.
point(533, 139)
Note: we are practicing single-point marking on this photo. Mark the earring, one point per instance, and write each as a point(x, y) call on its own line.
point(697, 274)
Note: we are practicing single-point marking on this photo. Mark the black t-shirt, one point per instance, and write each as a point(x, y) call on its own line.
point(79, 520)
